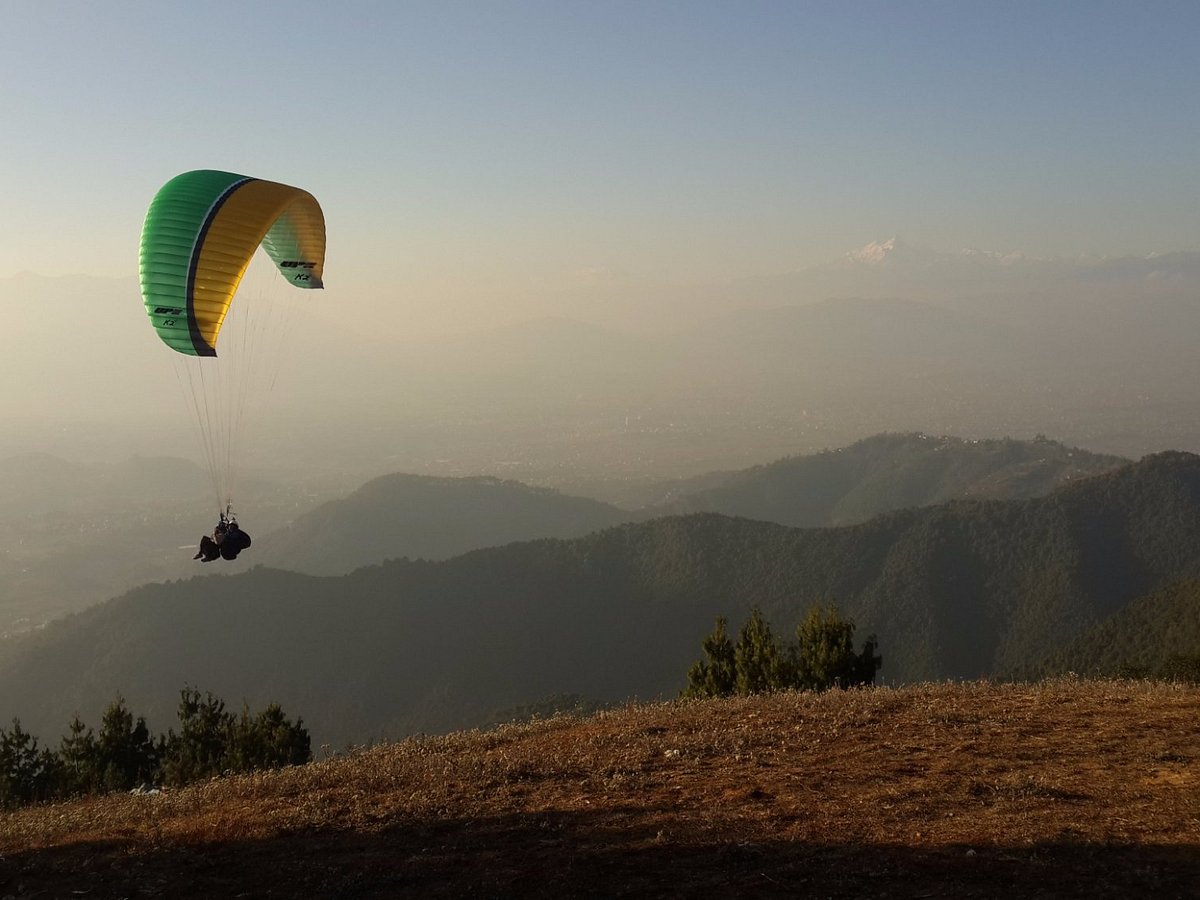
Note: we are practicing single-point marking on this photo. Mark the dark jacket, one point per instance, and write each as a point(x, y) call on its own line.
point(235, 542)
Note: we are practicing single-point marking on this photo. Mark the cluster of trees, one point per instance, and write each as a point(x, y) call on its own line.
point(124, 755)
point(821, 657)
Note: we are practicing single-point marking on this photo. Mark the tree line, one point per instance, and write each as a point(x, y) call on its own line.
point(123, 755)
point(821, 657)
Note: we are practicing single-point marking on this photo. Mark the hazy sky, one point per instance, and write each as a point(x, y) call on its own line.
point(469, 155)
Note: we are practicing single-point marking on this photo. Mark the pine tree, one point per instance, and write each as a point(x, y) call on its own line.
point(200, 750)
point(125, 753)
point(718, 676)
point(757, 657)
point(79, 758)
point(26, 773)
point(824, 655)
point(268, 740)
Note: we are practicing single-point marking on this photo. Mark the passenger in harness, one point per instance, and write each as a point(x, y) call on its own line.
point(227, 541)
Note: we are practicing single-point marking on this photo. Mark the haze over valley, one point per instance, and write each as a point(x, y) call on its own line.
point(1094, 352)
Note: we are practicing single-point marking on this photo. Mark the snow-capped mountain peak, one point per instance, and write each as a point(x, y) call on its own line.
point(895, 252)
point(892, 252)
point(875, 252)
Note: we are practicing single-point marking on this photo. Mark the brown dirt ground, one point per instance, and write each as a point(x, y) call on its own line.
point(1063, 789)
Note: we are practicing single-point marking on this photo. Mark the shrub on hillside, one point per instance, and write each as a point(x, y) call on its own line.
point(821, 657)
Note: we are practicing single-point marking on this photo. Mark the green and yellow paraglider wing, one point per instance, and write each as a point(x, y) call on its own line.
point(201, 232)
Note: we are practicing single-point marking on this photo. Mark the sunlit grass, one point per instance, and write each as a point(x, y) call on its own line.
point(1011, 767)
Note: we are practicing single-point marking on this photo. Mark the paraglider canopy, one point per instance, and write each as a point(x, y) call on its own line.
point(200, 233)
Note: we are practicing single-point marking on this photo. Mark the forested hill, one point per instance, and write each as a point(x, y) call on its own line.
point(963, 589)
point(430, 518)
point(437, 518)
point(67, 518)
point(1142, 636)
point(888, 472)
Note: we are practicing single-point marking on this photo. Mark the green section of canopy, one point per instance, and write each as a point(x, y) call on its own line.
point(170, 236)
point(200, 233)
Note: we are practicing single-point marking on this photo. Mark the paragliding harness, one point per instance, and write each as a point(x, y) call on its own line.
point(227, 541)
point(235, 540)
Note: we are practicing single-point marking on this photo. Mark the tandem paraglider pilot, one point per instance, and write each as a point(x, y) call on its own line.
point(227, 541)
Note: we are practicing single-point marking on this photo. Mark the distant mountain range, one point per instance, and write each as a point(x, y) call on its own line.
point(898, 268)
point(963, 589)
point(436, 518)
point(889, 472)
point(80, 534)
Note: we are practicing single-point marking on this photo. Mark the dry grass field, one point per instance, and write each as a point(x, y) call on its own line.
point(1063, 789)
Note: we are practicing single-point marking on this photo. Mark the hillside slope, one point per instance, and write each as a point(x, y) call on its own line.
point(888, 472)
point(960, 590)
point(436, 518)
point(428, 518)
point(1148, 631)
point(1067, 789)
